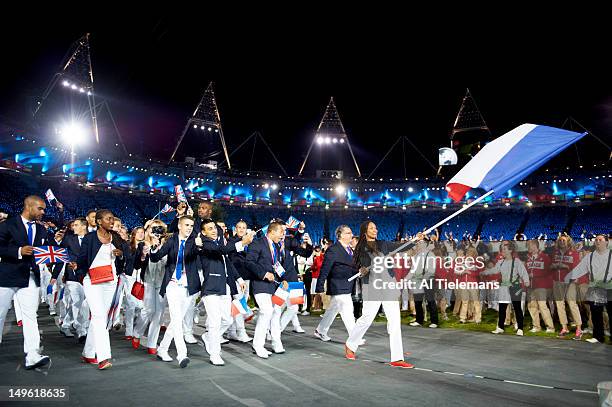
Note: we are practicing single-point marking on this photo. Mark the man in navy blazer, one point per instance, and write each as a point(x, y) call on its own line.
point(271, 264)
point(337, 268)
point(19, 274)
point(220, 278)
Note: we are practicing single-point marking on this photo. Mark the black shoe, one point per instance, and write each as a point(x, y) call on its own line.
point(184, 362)
point(82, 339)
point(42, 362)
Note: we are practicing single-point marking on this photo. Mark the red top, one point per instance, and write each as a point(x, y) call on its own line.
point(317, 262)
point(540, 274)
point(570, 259)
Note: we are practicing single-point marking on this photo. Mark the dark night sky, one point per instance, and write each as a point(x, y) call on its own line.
point(386, 82)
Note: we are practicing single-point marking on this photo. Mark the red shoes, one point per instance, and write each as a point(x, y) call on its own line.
point(105, 364)
point(349, 354)
point(152, 351)
point(135, 343)
point(20, 323)
point(402, 364)
point(92, 361)
point(128, 338)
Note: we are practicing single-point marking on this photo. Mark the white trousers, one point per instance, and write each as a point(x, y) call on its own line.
point(78, 309)
point(154, 306)
point(290, 315)
point(342, 304)
point(394, 329)
point(268, 319)
point(178, 300)
point(99, 297)
point(190, 313)
point(26, 299)
point(132, 306)
point(218, 319)
point(238, 324)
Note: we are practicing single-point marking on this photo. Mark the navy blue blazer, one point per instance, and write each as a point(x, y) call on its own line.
point(217, 271)
point(238, 259)
point(90, 246)
point(337, 268)
point(190, 257)
point(259, 262)
point(15, 272)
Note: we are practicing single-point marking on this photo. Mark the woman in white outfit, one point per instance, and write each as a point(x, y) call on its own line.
point(101, 258)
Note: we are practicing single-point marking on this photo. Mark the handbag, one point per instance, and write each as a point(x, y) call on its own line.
point(101, 274)
point(138, 290)
point(516, 289)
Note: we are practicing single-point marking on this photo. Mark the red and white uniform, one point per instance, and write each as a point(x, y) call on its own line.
point(569, 258)
point(538, 268)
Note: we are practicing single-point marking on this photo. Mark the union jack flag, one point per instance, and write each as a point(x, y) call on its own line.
point(167, 209)
point(292, 223)
point(50, 254)
point(50, 196)
point(180, 194)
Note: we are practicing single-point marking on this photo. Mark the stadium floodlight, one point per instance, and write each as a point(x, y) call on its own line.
point(529, 204)
point(66, 83)
point(410, 189)
point(340, 189)
point(274, 187)
point(486, 205)
point(73, 133)
point(327, 140)
point(266, 186)
point(201, 127)
point(195, 126)
point(73, 86)
point(341, 141)
point(335, 140)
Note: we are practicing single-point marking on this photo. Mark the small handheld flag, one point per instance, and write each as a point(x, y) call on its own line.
point(180, 194)
point(50, 196)
point(50, 254)
point(292, 223)
point(167, 209)
point(296, 292)
point(280, 296)
point(240, 307)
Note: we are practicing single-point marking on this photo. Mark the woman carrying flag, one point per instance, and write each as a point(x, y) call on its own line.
point(101, 258)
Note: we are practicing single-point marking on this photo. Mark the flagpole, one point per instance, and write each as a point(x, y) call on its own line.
point(415, 238)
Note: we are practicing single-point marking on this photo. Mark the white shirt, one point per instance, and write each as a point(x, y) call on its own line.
point(504, 267)
point(25, 225)
point(600, 261)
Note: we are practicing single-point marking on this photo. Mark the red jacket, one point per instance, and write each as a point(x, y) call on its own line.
point(570, 259)
point(539, 271)
point(317, 262)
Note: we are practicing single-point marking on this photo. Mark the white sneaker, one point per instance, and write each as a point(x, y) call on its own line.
point(299, 330)
point(515, 326)
point(278, 348)
point(34, 360)
point(163, 355)
point(592, 340)
point(587, 331)
point(519, 332)
point(362, 342)
point(550, 330)
point(217, 361)
point(189, 338)
point(223, 341)
point(534, 330)
point(305, 313)
point(497, 330)
point(414, 324)
point(261, 352)
point(196, 319)
point(52, 313)
point(244, 338)
point(268, 337)
point(232, 336)
point(205, 340)
point(321, 336)
point(433, 325)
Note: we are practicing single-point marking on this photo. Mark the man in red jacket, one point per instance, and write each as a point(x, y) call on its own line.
point(565, 258)
point(538, 267)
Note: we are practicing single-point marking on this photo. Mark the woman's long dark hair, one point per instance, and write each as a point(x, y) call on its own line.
point(360, 257)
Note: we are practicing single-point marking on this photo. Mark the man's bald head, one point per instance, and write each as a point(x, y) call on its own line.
point(33, 208)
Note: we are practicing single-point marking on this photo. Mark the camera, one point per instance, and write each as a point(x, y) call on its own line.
point(158, 231)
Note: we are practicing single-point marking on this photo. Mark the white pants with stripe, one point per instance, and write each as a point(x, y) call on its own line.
point(78, 310)
point(394, 329)
point(342, 304)
point(26, 300)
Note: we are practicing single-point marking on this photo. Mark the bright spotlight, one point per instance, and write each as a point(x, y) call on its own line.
point(335, 140)
point(274, 187)
point(201, 127)
point(81, 90)
point(410, 189)
point(319, 140)
point(340, 189)
point(195, 126)
point(327, 140)
point(266, 186)
point(66, 83)
point(210, 128)
point(341, 141)
point(73, 86)
point(73, 133)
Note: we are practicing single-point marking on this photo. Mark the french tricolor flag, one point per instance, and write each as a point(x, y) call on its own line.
point(240, 307)
point(280, 297)
point(296, 293)
point(508, 159)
